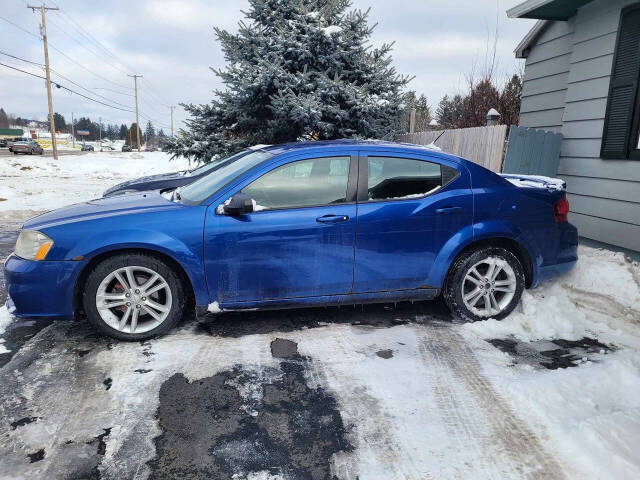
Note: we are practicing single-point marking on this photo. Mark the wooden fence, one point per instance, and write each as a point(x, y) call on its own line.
point(482, 145)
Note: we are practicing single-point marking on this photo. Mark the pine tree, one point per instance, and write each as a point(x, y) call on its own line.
point(450, 112)
point(59, 121)
point(123, 132)
point(150, 133)
point(131, 138)
point(510, 101)
point(423, 111)
point(297, 69)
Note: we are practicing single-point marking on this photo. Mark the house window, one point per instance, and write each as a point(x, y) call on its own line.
point(621, 135)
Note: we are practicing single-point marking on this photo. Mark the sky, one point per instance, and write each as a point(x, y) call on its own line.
point(94, 45)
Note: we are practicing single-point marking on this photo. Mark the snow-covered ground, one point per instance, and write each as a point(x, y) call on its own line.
point(591, 413)
point(419, 397)
point(32, 184)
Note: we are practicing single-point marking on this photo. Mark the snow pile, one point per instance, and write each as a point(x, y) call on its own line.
point(32, 184)
point(214, 308)
point(603, 282)
point(590, 413)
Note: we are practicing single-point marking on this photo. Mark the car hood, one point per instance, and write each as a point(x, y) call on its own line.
point(103, 207)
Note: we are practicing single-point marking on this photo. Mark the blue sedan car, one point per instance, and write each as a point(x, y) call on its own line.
point(321, 223)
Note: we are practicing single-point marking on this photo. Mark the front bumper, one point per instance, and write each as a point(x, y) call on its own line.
point(40, 289)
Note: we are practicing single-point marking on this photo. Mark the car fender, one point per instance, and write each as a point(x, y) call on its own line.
point(189, 260)
point(477, 232)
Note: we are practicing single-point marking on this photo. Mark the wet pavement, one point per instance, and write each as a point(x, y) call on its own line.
point(553, 354)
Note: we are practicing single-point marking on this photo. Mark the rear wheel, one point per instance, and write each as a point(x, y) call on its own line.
point(133, 297)
point(484, 283)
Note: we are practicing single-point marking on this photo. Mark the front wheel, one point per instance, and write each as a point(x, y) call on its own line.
point(133, 297)
point(484, 283)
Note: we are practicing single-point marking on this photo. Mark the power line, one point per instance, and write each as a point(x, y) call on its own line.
point(65, 88)
point(64, 54)
point(20, 58)
point(85, 46)
point(114, 91)
point(19, 27)
point(86, 89)
point(85, 68)
point(65, 78)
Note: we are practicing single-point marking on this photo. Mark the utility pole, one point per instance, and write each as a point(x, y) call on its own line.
point(171, 108)
point(100, 124)
point(43, 32)
point(135, 84)
point(73, 132)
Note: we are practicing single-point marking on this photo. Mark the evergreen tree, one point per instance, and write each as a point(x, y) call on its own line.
point(150, 133)
point(510, 101)
point(131, 138)
point(450, 112)
point(297, 69)
point(111, 132)
point(60, 123)
point(123, 132)
point(423, 111)
point(4, 120)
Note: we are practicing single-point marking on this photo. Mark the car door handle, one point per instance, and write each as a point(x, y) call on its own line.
point(449, 210)
point(332, 218)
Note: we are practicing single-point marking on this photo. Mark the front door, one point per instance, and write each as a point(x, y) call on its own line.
point(299, 240)
point(408, 208)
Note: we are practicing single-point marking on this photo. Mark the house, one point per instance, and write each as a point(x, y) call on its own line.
point(581, 79)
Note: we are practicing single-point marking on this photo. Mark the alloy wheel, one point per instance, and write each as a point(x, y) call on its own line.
point(134, 299)
point(489, 286)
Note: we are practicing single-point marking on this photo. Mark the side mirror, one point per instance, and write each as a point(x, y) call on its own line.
point(237, 205)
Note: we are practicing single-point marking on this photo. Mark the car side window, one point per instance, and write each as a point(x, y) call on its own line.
point(396, 178)
point(305, 183)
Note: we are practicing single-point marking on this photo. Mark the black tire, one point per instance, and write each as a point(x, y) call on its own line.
point(453, 288)
point(109, 265)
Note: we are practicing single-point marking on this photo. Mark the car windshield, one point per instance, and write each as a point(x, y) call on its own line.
point(206, 186)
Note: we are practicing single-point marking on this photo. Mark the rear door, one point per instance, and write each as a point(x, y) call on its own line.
point(299, 240)
point(409, 206)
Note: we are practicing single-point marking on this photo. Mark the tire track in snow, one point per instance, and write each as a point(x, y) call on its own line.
point(478, 418)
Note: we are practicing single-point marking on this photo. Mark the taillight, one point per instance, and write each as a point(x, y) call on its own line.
point(561, 210)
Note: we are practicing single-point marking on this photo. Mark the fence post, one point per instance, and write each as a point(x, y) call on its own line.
point(493, 117)
point(412, 121)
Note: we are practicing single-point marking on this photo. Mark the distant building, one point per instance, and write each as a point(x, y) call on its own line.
point(11, 132)
point(581, 79)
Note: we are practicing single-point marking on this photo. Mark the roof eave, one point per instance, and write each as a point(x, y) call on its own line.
point(522, 50)
point(519, 11)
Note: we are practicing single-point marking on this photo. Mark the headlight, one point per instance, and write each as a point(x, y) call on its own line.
point(33, 245)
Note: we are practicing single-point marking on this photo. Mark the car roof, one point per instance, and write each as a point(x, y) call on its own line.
point(378, 144)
